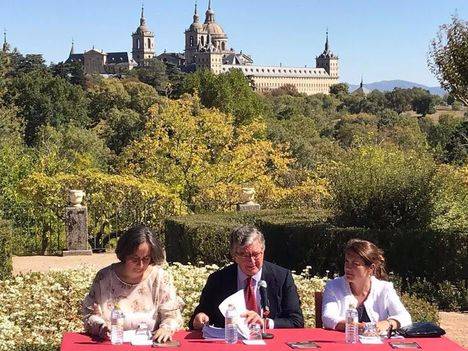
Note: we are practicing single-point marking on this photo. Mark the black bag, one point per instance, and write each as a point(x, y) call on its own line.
point(421, 330)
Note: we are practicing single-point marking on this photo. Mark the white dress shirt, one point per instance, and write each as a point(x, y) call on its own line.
point(382, 302)
point(241, 282)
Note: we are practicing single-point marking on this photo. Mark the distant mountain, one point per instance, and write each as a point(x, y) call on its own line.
point(386, 85)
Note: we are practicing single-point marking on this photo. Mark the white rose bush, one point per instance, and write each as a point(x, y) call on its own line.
point(37, 308)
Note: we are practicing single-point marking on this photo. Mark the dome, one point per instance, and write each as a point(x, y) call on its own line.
point(196, 26)
point(214, 29)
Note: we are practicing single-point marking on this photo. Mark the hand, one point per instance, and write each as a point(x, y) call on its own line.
point(382, 326)
point(162, 335)
point(200, 320)
point(252, 317)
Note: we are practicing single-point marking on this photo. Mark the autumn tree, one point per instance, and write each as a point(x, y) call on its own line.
point(203, 155)
point(448, 58)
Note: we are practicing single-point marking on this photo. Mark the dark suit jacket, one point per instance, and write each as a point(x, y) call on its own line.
point(285, 307)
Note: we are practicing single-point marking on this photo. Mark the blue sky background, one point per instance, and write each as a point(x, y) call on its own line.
point(379, 39)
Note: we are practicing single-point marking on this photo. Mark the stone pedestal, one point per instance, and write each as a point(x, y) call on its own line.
point(76, 218)
point(247, 198)
point(248, 206)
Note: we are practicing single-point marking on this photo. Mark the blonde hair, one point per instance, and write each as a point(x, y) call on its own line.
point(371, 255)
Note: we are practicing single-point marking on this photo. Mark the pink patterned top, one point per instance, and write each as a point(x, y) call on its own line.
point(152, 301)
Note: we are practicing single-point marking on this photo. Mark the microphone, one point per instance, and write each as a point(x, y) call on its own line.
point(264, 298)
point(265, 307)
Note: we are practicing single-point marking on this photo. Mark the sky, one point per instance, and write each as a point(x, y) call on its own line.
point(376, 39)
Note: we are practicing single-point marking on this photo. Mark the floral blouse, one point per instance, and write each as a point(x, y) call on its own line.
point(152, 301)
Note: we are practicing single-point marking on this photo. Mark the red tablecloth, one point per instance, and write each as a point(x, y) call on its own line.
point(327, 340)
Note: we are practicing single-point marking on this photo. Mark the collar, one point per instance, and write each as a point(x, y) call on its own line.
point(241, 276)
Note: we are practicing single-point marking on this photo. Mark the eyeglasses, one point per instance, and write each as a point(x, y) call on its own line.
point(248, 256)
point(137, 260)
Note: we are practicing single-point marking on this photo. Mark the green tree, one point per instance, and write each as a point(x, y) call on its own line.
point(340, 89)
point(448, 58)
point(399, 100)
point(423, 102)
point(46, 100)
point(230, 92)
point(154, 73)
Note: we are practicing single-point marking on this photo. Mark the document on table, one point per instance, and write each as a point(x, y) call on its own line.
point(370, 339)
point(237, 299)
point(131, 337)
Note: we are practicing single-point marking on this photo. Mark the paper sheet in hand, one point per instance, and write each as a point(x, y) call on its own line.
point(237, 299)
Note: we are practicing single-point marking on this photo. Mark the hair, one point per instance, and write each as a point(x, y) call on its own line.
point(371, 255)
point(134, 237)
point(245, 235)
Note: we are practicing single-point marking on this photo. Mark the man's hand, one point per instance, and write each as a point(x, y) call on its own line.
point(252, 317)
point(200, 320)
point(162, 335)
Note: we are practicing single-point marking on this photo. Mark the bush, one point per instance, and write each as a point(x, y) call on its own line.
point(383, 187)
point(419, 309)
point(5, 250)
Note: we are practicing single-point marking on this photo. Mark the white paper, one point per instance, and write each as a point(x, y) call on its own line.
point(370, 339)
point(128, 335)
point(254, 342)
point(237, 299)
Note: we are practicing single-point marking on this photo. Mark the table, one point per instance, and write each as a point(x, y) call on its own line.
point(328, 340)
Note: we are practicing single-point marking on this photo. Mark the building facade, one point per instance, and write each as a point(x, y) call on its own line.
point(206, 47)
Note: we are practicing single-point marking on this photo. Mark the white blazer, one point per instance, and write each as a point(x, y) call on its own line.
point(381, 303)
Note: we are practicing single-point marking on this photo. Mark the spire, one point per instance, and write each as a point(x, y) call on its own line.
point(72, 50)
point(209, 14)
point(362, 82)
point(326, 44)
point(142, 18)
point(5, 47)
point(196, 18)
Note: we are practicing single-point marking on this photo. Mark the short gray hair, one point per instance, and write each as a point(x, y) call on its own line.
point(245, 235)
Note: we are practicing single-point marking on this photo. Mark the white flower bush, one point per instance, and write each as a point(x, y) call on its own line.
point(37, 308)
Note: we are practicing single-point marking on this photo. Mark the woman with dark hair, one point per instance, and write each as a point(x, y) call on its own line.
point(364, 285)
point(141, 288)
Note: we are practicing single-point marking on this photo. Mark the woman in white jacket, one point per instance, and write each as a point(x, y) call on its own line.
point(364, 285)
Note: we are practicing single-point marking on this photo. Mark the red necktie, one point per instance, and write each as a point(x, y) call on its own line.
point(249, 294)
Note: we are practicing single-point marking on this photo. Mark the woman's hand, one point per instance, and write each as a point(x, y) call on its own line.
point(383, 326)
point(162, 335)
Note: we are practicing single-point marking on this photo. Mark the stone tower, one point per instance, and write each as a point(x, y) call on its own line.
point(193, 38)
point(328, 61)
point(6, 46)
point(205, 44)
point(143, 42)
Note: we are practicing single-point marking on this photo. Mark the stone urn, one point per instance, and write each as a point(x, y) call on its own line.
point(76, 197)
point(248, 195)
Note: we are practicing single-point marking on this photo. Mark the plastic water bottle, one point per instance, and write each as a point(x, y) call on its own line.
point(117, 323)
point(351, 329)
point(230, 325)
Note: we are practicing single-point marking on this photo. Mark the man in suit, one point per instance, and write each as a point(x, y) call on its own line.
point(247, 250)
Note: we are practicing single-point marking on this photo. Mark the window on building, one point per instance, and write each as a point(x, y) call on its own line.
point(149, 43)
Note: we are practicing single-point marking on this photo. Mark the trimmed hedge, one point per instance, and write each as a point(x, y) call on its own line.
point(6, 266)
point(296, 240)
